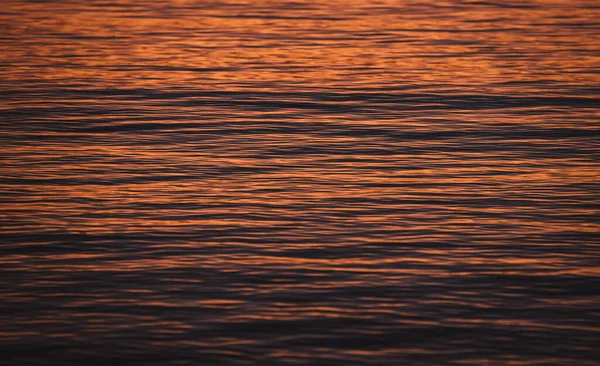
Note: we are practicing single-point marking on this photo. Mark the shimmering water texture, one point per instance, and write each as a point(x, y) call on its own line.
point(299, 183)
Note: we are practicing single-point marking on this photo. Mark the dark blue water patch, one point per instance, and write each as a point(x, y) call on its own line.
point(315, 100)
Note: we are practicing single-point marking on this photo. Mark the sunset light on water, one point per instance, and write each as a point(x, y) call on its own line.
point(299, 182)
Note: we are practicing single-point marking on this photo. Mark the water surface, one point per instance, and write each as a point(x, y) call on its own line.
point(299, 182)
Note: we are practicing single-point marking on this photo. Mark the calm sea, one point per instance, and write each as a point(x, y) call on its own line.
point(252, 182)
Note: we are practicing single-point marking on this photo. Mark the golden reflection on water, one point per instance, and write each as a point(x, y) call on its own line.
point(224, 45)
point(350, 182)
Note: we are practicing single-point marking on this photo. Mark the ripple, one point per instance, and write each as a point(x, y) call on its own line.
point(271, 183)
